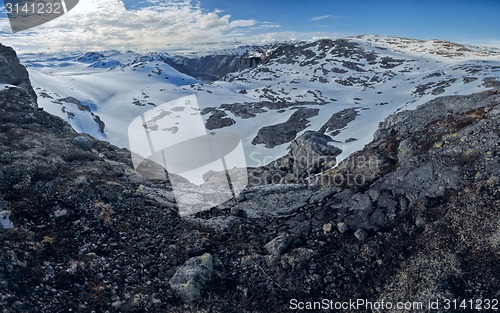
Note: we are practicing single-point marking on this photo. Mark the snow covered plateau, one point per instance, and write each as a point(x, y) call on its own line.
point(266, 95)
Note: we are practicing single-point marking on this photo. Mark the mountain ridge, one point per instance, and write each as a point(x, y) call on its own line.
point(86, 232)
point(359, 73)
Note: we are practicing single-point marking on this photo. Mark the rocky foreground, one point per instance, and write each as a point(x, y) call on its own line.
point(414, 216)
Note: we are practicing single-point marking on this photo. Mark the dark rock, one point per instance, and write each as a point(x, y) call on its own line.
point(437, 87)
point(309, 154)
point(244, 111)
point(99, 122)
point(78, 103)
point(264, 175)
point(12, 72)
point(279, 134)
point(273, 200)
point(86, 108)
point(361, 235)
point(434, 74)
point(41, 172)
point(388, 62)
point(218, 119)
point(279, 245)
point(467, 80)
point(491, 82)
point(84, 142)
point(338, 121)
point(354, 66)
point(214, 67)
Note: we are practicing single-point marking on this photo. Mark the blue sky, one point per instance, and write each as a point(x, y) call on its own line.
point(191, 24)
point(458, 20)
point(423, 19)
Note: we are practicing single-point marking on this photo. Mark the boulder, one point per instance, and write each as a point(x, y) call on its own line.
point(192, 277)
point(311, 153)
point(5, 222)
point(279, 245)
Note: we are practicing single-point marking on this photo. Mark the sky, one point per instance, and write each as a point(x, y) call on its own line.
point(190, 25)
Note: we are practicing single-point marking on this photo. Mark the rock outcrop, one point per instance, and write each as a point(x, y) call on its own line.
point(12, 72)
point(279, 134)
point(338, 121)
point(213, 67)
point(311, 153)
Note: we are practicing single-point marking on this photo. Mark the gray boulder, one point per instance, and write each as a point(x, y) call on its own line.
point(192, 277)
point(279, 245)
point(83, 141)
point(5, 222)
point(309, 154)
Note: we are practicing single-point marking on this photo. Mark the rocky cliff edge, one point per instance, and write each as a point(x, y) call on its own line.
point(413, 216)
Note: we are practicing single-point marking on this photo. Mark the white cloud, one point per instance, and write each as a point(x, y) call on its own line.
point(107, 24)
point(322, 17)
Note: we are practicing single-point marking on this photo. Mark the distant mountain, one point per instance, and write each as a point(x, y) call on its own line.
point(214, 65)
point(267, 95)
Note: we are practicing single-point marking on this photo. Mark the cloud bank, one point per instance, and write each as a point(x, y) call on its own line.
point(108, 24)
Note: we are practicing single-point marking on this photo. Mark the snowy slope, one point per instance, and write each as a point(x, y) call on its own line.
point(116, 94)
point(374, 75)
point(371, 77)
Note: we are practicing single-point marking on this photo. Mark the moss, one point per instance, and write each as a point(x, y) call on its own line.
point(206, 258)
point(186, 285)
